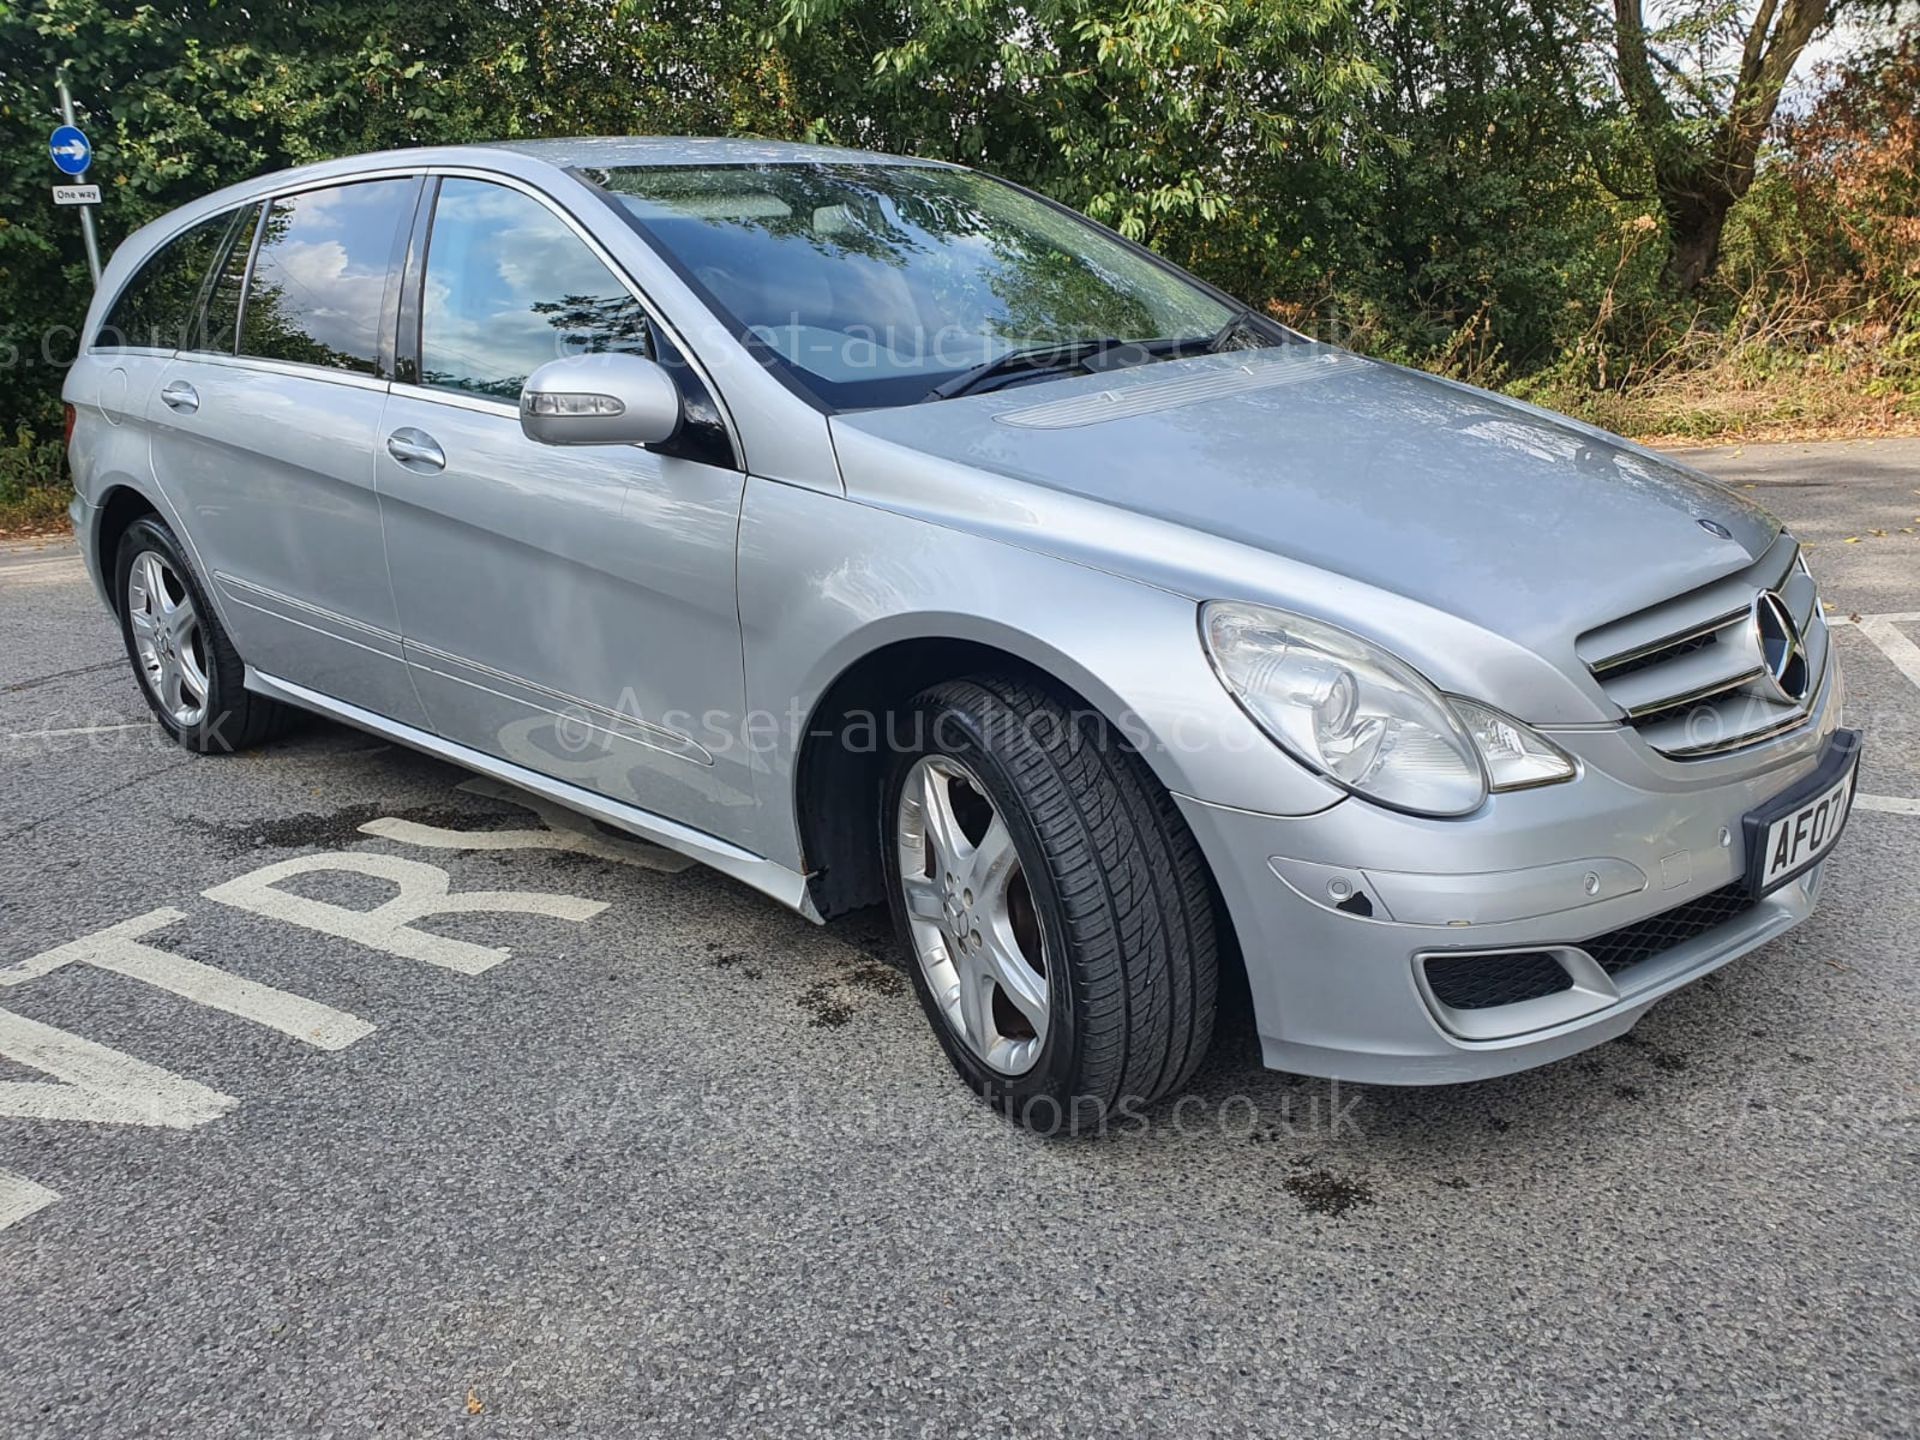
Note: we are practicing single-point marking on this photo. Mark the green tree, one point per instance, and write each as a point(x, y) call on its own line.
point(1210, 130)
point(181, 97)
point(1701, 90)
point(1476, 209)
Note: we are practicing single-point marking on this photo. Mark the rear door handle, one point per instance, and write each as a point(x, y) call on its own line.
point(417, 450)
point(181, 396)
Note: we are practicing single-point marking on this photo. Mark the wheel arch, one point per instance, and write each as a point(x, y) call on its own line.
point(120, 505)
point(123, 500)
point(836, 784)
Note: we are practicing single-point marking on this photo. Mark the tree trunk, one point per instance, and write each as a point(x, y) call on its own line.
point(1696, 250)
point(1696, 207)
point(1699, 178)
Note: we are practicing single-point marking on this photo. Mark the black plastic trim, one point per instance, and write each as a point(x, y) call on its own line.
point(1843, 750)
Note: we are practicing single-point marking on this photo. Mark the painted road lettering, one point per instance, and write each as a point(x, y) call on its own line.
point(119, 949)
point(93, 1084)
point(563, 830)
point(96, 1085)
point(21, 1197)
point(424, 891)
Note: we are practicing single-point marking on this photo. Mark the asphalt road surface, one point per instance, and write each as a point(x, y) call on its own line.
point(641, 1152)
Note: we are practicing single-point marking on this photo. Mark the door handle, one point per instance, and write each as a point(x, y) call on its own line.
point(181, 396)
point(417, 450)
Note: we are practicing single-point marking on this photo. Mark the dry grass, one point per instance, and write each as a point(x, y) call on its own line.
point(41, 511)
point(1700, 409)
point(1786, 374)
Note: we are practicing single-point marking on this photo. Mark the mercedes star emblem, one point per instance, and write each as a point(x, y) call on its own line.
point(1782, 647)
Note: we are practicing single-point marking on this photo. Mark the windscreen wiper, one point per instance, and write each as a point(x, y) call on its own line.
point(1054, 355)
point(1242, 322)
point(1221, 337)
point(1105, 353)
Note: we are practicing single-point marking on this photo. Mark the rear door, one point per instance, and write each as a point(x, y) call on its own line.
point(263, 436)
point(150, 317)
point(570, 609)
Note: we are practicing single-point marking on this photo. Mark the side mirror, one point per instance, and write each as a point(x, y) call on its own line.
point(600, 400)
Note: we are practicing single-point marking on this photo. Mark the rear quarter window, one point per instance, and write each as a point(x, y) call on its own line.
point(157, 304)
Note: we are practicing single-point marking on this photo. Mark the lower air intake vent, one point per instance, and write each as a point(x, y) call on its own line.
point(1628, 946)
point(1480, 982)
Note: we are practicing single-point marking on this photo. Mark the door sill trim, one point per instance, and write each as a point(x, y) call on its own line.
point(789, 887)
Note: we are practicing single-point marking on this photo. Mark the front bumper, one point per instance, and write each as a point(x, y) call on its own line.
point(1336, 912)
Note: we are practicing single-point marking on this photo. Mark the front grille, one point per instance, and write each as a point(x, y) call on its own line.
point(1667, 650)
point(1692, 674)
point(1480, 982)
point(1622, 949)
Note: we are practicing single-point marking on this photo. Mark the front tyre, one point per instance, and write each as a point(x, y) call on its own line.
point(189, 672)
point(1057, 908)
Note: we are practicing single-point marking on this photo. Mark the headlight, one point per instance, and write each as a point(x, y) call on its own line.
point(1366, 719)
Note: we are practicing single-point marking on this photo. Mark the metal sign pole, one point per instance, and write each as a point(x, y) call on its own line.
point(86, 211)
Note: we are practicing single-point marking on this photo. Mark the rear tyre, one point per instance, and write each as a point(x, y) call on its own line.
point(1058, 911)
point(188, 670)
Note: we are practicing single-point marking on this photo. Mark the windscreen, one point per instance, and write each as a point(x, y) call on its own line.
point(868, 285)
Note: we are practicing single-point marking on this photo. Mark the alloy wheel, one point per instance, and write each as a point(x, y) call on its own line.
point(971, 915)
point(168, 638)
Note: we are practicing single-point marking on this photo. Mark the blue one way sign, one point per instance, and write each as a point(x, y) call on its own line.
point(70, 150)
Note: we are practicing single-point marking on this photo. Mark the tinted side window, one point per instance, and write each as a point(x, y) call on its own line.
point(320, 275)
point(219, 315)
point(509, 287)
point(153, 310)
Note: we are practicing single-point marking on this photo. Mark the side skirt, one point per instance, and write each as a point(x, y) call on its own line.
point(789, 887)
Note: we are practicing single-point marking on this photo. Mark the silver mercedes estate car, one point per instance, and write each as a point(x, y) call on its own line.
point(875, 531)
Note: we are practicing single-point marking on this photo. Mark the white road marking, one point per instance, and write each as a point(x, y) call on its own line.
point(20, 1197)
point(95, 1085)
point(119, 950)
point(1893, 644)
point(424, 891)
point(79, 730)
point(1887, 804)
point(1905, 617)
point(564, 830)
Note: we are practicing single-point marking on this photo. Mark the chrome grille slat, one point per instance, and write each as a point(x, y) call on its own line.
point(1613, 664)
point(1741, 721)
point(1727, 664)
point(1801, 596)
point(1691, 674)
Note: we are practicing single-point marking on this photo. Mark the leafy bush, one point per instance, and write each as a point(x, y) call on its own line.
point(33, 483)
point(1448, 183)
point(29, 463)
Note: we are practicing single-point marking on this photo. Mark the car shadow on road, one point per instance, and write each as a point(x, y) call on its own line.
point(1331, 1133)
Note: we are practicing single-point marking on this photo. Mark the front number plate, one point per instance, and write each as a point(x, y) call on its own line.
point(1793, 832)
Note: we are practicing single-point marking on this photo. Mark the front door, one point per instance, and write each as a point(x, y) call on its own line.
point(570, 609)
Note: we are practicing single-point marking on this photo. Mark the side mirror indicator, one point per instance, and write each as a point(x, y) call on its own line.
point(560, 403)
point(615, 399)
